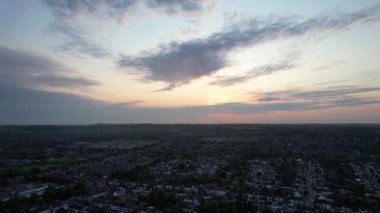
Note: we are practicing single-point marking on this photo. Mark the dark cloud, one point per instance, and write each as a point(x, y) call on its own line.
point(118, 9)
point(64, 81)
point(267, 99)
point(334, 92)
point(180, 6)
point(66, 9)
point(78, 40)
point(242, 108)
point(338, 94)
point(178, 63)
point(22, 69)
point(254, 73)
point(30, 106)
point(167, 88)
point(128, 104)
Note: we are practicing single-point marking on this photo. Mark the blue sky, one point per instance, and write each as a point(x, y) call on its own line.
point(189, 61)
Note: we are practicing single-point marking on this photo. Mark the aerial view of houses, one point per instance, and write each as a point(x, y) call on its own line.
point(190, 168)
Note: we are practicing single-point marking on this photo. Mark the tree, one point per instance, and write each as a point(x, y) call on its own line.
point(158, 199)
point(61, 210)
point(33, 200)
point(209, 206)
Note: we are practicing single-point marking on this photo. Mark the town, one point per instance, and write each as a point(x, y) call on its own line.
point(190, 168)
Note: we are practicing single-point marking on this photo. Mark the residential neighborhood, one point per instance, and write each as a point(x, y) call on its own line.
point(197, 174)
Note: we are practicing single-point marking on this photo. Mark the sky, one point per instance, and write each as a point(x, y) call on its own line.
point(189, 61)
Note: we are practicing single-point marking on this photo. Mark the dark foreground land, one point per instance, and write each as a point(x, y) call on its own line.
point(190, 168)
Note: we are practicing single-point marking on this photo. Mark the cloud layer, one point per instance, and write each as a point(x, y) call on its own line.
point(178, 63)
point(22, 69)
point(67, 9)
point(78, 40)
point(337, 94)
point(30, 106)
point(255, 72)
